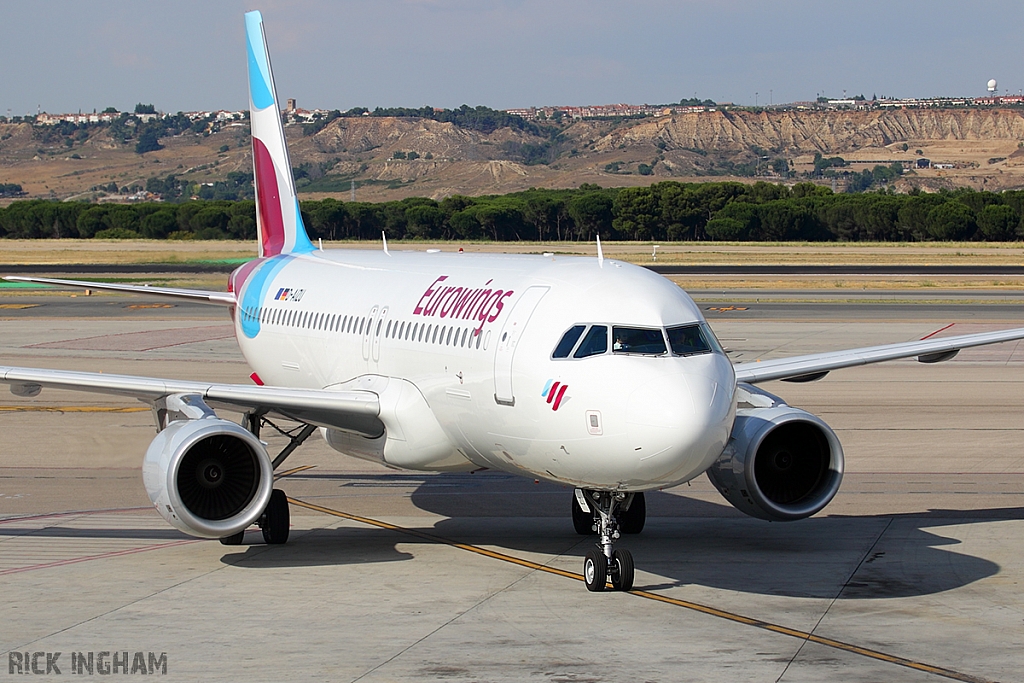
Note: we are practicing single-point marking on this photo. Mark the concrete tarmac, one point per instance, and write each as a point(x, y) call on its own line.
point(913, 573)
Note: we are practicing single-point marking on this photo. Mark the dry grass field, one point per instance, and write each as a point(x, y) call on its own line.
point(690, 253)
point(63, 252)
point(57, 254)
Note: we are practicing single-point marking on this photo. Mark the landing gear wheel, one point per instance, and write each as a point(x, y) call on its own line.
point(595, 571)
point(622, 570)
point(613, 510)
point(632, 521)
point(233, 539)
point(582, 521)
point(276, 519)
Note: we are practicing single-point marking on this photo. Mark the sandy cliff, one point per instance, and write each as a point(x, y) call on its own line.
point(980, 144)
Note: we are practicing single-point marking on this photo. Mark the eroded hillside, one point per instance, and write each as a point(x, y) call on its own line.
point(394, 157)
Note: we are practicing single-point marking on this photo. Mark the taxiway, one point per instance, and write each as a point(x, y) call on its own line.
point(914, 572)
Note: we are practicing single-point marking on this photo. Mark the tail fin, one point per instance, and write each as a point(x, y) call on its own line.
point(278, 220)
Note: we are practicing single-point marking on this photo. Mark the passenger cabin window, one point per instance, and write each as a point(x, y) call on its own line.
point(689, 340)
point(568, 341)
point(644, 341)
point(596, 342)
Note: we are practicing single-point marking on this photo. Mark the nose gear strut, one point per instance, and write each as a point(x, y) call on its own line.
point(604, 563)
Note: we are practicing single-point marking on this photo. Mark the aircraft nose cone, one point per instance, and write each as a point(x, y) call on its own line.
point(661, 403)
point(676, 424)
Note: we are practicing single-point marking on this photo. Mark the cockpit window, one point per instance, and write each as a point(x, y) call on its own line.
point(596, 342)
point(568, 341)
point(592, 340)
point(638, 340)
point(688, 340)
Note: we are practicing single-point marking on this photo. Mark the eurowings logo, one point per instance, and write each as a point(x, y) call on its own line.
point(481, 304)
point(554, 391)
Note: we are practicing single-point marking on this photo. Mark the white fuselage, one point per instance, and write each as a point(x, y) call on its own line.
point(459, 347)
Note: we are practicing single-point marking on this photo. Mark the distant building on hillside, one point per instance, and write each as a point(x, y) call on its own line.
point(604, 111)
point(45, 119)
point(998, 100)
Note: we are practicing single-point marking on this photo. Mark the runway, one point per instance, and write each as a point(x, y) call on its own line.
point(912, 574)
point(830, 270)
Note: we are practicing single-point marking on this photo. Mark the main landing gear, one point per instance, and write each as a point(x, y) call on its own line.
point(608, 513)
point(275, 521)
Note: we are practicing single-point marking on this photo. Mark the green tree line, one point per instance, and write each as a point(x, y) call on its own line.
point(192, 220)
point(480, 118)
point(662, 211)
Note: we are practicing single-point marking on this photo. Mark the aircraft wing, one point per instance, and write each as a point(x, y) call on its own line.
point(195, 295)
point(815, 366)
point(354, 411)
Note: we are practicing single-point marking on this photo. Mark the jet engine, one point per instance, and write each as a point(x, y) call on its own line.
point(781, 463)
point(209, 477)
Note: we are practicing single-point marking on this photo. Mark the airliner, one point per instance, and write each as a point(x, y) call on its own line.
point(589, 372)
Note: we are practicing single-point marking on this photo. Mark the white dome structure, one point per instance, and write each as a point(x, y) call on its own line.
point(992, 85)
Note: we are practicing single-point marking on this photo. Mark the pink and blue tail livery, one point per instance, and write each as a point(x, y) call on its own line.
point(278, 220)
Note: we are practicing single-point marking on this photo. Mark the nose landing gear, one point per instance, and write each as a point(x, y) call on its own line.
point(631, 513)
point(604, 563)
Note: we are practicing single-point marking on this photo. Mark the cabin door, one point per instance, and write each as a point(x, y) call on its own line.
point(508, 340)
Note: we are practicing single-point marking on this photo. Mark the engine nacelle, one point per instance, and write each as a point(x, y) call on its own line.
point(209, 478)
point(781, 463)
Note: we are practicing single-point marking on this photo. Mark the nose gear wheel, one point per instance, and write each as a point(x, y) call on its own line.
point(604, 563)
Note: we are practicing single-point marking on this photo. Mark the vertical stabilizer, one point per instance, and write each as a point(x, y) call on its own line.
point(278, 220)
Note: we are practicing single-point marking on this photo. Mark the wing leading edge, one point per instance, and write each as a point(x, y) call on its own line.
point(353, 411)
point(810, 366)
point(195, 295)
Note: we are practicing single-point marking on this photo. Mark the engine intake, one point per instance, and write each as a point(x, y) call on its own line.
point(781, 464)
point(209, 477)
point(218, 476)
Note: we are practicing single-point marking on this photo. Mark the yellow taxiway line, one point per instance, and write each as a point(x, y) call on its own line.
point(294, 470)
point(696, 607)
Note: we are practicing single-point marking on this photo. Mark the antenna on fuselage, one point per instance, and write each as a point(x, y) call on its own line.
point(385, 238)
point(600, 254)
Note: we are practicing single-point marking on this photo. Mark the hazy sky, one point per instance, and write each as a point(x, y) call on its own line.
point(188, 55)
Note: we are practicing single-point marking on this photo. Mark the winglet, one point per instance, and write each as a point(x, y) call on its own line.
point(278, 219)
point(600, 253)
point(384, 237)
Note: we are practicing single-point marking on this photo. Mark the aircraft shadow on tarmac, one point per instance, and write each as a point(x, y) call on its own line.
point(686, 541)
point(318, 548)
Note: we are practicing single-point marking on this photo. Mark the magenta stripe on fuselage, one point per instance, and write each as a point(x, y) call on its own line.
point(558, 399)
